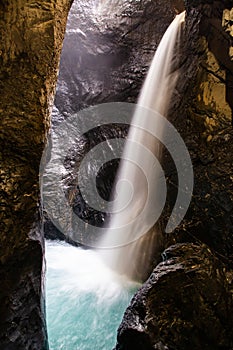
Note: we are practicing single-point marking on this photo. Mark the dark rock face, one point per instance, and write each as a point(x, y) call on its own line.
point(185, 303)
point(106, 54)
point(187, 300)
point(176, 308)
point(32, 34)
point(107, 50)
point(190, 4)
point(204, 118)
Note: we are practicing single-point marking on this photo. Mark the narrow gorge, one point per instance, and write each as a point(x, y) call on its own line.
point(105, 51)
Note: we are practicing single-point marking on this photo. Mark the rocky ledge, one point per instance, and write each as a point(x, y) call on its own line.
point(186, 302)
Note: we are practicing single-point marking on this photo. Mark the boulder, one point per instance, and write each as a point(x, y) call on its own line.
point(186, 302)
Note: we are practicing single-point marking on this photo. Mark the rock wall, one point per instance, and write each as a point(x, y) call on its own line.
point(202, 112)
point(188, 298)
point(31, 39)
point(105, 59)
point(106, 54)
point(175, 309)
point(107, 50)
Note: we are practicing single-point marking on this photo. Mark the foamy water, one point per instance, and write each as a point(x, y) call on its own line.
point(85, 300)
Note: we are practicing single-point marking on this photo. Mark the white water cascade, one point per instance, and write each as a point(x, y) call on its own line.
point(85, 299)
point(131, 256)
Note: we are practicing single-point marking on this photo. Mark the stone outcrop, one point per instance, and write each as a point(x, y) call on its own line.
point(186, 302)
point(31, 38)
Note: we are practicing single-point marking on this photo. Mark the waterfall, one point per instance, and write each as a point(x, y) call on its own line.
point(131, 256)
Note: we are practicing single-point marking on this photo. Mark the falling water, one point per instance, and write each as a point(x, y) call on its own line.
point(132, 256)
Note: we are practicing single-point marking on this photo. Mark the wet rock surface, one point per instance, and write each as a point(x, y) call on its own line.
point(31, 38)
point(187, 300)
point(185, 303)
point(107, 50)
point(201, 109)
point(204, 118)
point(106, 54)
point(175, 309)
